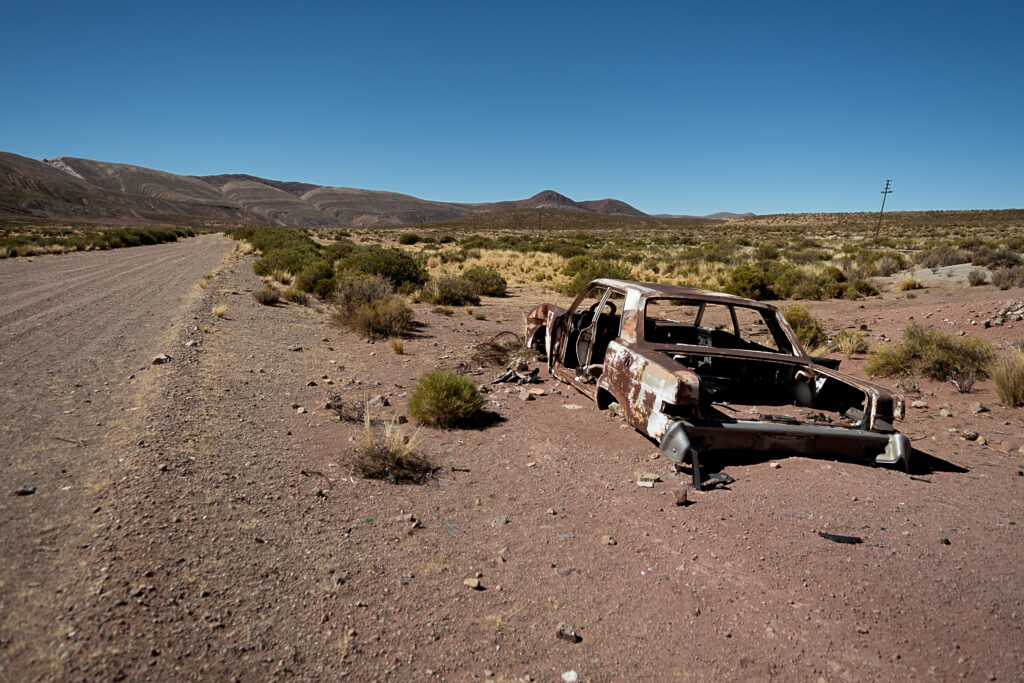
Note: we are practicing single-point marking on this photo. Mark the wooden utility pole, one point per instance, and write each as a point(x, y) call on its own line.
point(885, 191)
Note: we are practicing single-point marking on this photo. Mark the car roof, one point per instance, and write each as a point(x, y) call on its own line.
point(651, 290)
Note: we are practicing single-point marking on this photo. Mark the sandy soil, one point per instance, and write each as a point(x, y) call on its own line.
point(207, 528)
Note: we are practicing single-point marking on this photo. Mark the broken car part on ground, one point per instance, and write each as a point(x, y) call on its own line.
point(689, 369)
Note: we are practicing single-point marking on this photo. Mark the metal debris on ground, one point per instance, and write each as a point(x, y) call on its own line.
point(515, 375)
point(499, 350)
point(838, 538)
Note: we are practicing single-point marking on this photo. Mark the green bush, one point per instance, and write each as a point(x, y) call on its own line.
point(394, 264)
point(408, 238)
point(756, 281)
point(807, 328)
point(339, 250)
point(934, 354)
point(486, 281)
point(293, 258)
point(444, 399)
point(449, 290)
point(593, 270)
point(310, 276)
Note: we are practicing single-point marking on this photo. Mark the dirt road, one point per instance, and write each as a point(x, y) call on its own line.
point(212, 528)
point(74, 329)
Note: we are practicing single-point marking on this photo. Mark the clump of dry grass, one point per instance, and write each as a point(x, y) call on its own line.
point(907, 283)
point(282, 276)
point(388, 454)
point(850, 343)
point(203, 284)
point(1008, 377)
point(444, 310)
point(268, 296)
point(397, 345)
point(219, 310)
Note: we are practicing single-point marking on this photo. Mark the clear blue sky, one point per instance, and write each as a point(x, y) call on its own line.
point(672, 107)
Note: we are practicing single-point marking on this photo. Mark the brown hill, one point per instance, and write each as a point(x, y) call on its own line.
point(67, 189)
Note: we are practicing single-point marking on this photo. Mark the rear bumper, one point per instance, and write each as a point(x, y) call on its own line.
point(812, 440)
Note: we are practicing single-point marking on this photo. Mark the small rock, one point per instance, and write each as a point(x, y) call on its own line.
point(473, 583)
point(774, 465)
point(608, 540)
point(614, 409)
point(647, 479)
point(26, 490)
point(945, 413)
point(680, 496)
point(570, 677)
point(162, 467)
point(944, 541)
point(499, 521)
point(536, 391)
point(969, 434)
point(919, 404)
point(567, 632)
point(295, 347)
point(380, 400)
point(525, 395)
point(300, 410)
point(978, 407)
point(551, 511)
point(161, 358)
point(1009, 446)
point(295, 406)
point(310, 383)
point(191, 342)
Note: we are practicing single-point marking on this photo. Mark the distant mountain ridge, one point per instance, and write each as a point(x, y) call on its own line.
point(80, 190)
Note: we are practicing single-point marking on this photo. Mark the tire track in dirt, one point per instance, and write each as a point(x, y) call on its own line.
point(73, 329)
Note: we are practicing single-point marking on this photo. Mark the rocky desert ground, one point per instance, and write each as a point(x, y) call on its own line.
point(200, 519)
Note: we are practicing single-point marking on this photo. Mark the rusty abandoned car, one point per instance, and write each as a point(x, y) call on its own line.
point(691, 369)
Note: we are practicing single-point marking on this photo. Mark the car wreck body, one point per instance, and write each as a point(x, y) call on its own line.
point(692, 370)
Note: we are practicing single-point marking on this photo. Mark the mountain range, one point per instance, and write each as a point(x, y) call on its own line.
point(66, 189)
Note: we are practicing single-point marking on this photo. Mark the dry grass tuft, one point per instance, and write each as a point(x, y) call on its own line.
point(850, 343)
point(907, 283)
point(268, 296)
point(388, 454)
point(1008, 377)
point(397, 345)
point(502, 349)
point(219, 310)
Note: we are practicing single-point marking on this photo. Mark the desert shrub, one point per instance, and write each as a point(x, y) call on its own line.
point(388, 454)
point(446, 239)
point(485, 281)
point(444, 399)
point(268, 296)
point(995, 258)
point(942, 256)
point(849, 343)
point(354, 291)
point(575, 265)
point(367, 305)
point(393, 264)
point(907, 283)
point(449, 290)
point(1004, 278)
point(219, 310)
point(380, 318)
point(594, 270)
point(805, 325)
point(408, 238)
point(397, 345)
point(1008, 377)
point(977, 277)
point(293, 258)
point(339, 250)
point(310, 276)
point(934, 354)
point(296, 296)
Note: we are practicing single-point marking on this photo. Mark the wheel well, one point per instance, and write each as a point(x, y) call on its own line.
point(605, 398)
